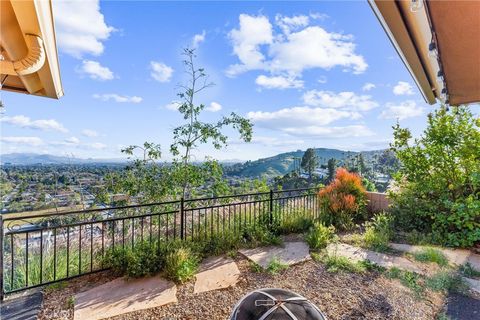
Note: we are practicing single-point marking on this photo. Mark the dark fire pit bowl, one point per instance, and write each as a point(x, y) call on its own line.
point(275, 304)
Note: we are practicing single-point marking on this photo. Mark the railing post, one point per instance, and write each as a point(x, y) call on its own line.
point(2, 253)
point(271, 207)
point(182, 219)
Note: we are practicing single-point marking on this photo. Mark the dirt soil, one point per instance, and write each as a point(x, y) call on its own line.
point(338, 295)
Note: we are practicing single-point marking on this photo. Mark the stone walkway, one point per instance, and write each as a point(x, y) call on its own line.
point(382, 259)
point(216, 273)
point(454, 256)
point(291, 253)
point(122, 296)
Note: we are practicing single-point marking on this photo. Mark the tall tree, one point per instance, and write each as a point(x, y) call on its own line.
point(332, 166)
point(309, 162)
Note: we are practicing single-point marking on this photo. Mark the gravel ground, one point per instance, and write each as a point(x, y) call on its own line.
point(338, 295)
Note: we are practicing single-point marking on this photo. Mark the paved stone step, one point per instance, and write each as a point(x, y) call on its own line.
point(22, 308)
point(382, 259)
point(291, 253)
point(454, 256)
point(122, 296)
point(216, 273)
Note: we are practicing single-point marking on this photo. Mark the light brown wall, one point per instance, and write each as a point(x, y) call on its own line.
point(377, 202)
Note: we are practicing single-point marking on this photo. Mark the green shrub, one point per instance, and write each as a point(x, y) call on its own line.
point(437, 185)
point(257, 235)
point(431, 255)
point(140, 261)
point(469, 271)
point(335, 263)
point(378, 232)
point(181, 265)
point(320, 236)
point(295, 222)
point(446, 281)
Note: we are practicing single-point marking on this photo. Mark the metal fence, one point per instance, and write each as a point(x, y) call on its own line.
point(42, 249)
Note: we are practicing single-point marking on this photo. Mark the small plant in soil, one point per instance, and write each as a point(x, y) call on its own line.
point(255, 267)
point(469, 271)
point(431, 255)
point(70, 302)
point(275, 266)
point(319, 236)
point(335, 263)
point(181, 265)
point(446, 281)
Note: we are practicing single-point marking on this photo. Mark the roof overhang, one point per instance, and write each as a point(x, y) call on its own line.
point(439, 43)
point(29, 60)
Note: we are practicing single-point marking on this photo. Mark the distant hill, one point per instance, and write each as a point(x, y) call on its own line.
point(35, 158)
point(283, 163)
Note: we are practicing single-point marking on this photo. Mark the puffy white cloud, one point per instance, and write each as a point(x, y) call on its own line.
point(29, 141)
point(160, 71)
point(253, 32)
point(198, 38)
point(80, 27)
point(90, 133)
point(402, 110)
point(96, 146)
point(72, 140)
point(330, 132)
point(299, 116)
point(214, 107)
point(95, 70)
point(403, 88)
point(287, 24)
point(368, 86)
point(342, 100)
point(278, 82)
point(297, 48)
point(173, 106)
point(276, 142)
point(42, 124)
point(118, 98)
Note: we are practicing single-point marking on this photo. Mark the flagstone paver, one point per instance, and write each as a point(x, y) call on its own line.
point(122, 296)
point(22, 308)
point(455, 256)
point(291, 253)
point(384, 260)
point(216, 273)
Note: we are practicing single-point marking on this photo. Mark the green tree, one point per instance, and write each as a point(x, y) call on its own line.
point(332, 167)
point(309, 162)
point(439, 177)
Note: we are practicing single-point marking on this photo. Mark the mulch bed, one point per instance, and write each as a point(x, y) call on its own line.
point(338, 295)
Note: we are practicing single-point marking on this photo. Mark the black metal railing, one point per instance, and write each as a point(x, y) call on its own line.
point(42, 249)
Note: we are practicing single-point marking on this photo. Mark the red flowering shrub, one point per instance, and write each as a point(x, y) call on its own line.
point(344, 200)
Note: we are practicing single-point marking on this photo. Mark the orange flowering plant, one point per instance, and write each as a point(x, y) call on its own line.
point(344, 200)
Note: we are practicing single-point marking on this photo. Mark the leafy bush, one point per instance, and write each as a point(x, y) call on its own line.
point(469, 271)
point(335, 263)
point(344, 199)
point(320, 236)
point(431, 255)
point(438, 183)
point(140, 261)
point(256, 235)
point(181, 265)
point(294, 222)
point(378, 232)
point(446, 281)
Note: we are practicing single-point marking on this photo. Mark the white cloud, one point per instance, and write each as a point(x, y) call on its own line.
point(253, 32)
point(403, 110)
point(30, 141)
point(368, 86)
point(160, 71)
point(330, 132)
point(90, 133)
point(299, 116)
point(26, 122)
point(214, 107)
point(118, 98)
point(322, 80)
point(80, 27)
point(290, 51)
point(72, 140)
point(403, 88)
point(276, 142)
point(96, 145)
point(198, 38)
point(278, 82)
point(345, 100)
point(95, 70)
point(287, 24)
point(173, 106)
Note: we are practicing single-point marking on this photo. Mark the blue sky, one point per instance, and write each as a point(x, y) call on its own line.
point(308, 74)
